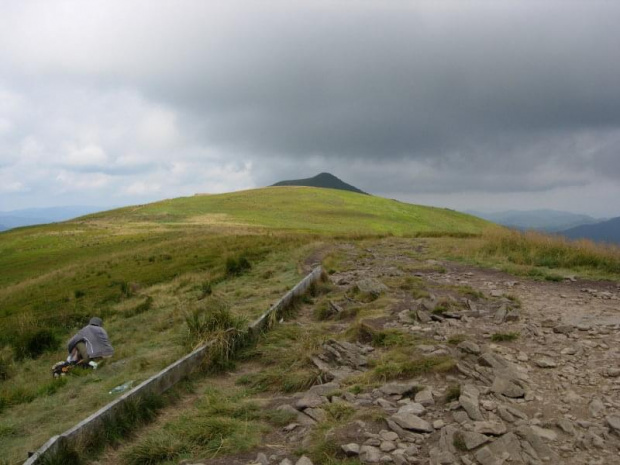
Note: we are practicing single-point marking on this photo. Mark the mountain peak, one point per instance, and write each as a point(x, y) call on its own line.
point(324, 180)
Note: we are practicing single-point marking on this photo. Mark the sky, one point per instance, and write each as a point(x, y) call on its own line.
point(468, 105)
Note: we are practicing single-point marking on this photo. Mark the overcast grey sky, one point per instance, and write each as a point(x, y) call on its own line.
point(470, 105)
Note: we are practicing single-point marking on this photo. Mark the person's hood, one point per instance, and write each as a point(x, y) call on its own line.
point(96, 321)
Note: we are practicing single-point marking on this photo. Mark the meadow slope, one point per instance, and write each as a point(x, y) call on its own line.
point(147, 270)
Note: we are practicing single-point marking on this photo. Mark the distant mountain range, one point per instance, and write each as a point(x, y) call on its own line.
point(541, 220)
point(570, 225)
point(31, 216)
point(605, 231)
point(326, 180)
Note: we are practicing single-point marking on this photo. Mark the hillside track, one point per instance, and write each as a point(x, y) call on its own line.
point(429, 361)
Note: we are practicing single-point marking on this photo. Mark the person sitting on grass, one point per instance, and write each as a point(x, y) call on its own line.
point(91, 343)
point(86, 348)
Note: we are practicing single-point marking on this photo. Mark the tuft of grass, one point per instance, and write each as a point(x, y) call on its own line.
point(453, 392)
point(556, 278)
point(206, 289)
point(442, 307)
point(505, 337)
point(236, 266)
point(402, 363)
point(420, 294)
point(411, 283)
point(132, 414)
point(282, 380)
point(219, 423)
point(339, 411)
point(470, 292)
point(154, 449)
point(51, 387)
point(459, 442)
point(279, 417)
point(456, 339)
point(514, 299)
point(213, 322)
point(285, 353)
point(364, 333)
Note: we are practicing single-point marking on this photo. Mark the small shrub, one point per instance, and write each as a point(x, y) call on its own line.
point(236, 266)
point(504, 337)
point(33, 343)
point(206, 289)
point(442, 307)
point(79, 293)
point(356, 389)
point(215, 323)
point(556, 278)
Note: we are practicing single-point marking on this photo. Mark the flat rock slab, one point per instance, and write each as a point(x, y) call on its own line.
point(398, 388)
point(310, 400)
point(506, 387)
point(412, 422)
point(546, 362)
point(425, 397)
point(413, 408)
point(493, 428)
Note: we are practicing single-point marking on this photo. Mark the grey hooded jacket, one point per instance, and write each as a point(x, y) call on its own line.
point(95, 338)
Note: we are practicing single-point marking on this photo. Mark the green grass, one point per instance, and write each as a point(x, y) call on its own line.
point(144, 269)
point(504, 337)
point(322, 211)
point(148, 328)
point(533, 254)
point(219, 423)
point(284, 354)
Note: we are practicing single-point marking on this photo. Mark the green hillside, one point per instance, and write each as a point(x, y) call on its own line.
point(301, 209)
point(147, 269)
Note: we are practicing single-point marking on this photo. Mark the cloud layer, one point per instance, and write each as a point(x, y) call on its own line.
point(464, 104)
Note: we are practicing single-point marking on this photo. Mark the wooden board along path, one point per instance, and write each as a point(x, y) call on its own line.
point(162, 381)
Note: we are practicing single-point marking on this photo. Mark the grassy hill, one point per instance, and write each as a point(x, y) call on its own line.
point(147, 271)
point(152, 271)
point(299, 209)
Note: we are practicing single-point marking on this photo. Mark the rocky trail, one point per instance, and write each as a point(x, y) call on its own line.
point(507, 371)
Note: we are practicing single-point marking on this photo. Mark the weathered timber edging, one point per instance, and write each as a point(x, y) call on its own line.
point(163, 380)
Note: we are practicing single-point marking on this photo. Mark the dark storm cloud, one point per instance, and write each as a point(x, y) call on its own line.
point(407, 82)
point(399, 97)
